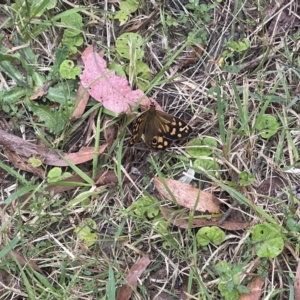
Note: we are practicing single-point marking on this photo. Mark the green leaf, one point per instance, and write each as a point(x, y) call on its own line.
point(270, 248)
point(211, 234)
point(75, 21)
point(63, 93)
point(267, 125)
point(38, 7)
point(129, 45)
point(264, 232)
point(201, 147)
point(239, 46)
point(118, 68)
point(126, 8)
point(84, 232)
point(54, 120)
point(54, 174)
point(122, 16)
point(67, 69)
point(12, 72)
point(208, 164)
point(242, 289)
point(292, 225)
point(35, 162)
point(228, 295)
point(145, 207)
point(143, 75)
point(270, 241)
point(111, 285)
point(246, 178)
point(13, 95)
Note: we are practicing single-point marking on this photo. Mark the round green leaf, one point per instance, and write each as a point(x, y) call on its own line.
point(145, 207)
point(195, 148)
point(143, 74)
point(117, 68)
point(270, 248)
point(211, 234)
point(129, 45)
point(209, 165)
point(267, 125)
point(263, 232)
point(67, 69)
point(74, 22)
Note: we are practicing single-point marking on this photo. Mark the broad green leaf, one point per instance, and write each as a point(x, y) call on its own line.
point(267, 126)
point(75, 22)
point(54, 120)
point(68, 70)
point(84, 232)
point(270, 248)
point(211, 234)
point(126, 8)
point(129, 45)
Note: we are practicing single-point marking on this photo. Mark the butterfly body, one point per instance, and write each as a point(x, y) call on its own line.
point(159, 129)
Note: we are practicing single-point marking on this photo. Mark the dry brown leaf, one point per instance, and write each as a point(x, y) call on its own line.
point(41, 91)
point(132, 277)
point(22, 260)
point(84, 154)
point(7, 281)
point(188, 196)
point(297, 282)
point(110, 132)
point(21, 163)
point(255, 287)
point(82, 99)
point(45, 154)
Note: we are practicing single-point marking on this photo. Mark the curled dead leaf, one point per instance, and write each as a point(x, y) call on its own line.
point(132, 277)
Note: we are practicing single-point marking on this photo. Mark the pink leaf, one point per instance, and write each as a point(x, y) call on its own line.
point(106, 87)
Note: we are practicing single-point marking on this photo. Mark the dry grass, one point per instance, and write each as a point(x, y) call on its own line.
point(223, 93)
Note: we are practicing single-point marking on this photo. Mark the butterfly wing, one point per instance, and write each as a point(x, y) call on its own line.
point(159, 129)
point(163, 128)
point(137, 128)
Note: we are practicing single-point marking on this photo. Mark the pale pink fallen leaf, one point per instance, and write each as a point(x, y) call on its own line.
point(188, 196)
point(106, 87)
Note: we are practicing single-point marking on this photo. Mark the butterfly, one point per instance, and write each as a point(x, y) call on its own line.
point(159, 129)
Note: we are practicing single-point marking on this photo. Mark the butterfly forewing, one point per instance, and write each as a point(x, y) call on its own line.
point(138, 126)
point(159, 129)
